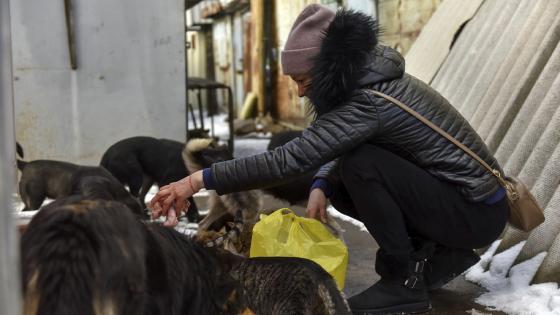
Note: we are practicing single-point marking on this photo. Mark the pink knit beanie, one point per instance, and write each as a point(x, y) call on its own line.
point(304, 40)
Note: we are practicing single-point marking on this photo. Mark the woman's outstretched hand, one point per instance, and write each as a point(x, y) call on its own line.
point(317, 205)
point(171, 200)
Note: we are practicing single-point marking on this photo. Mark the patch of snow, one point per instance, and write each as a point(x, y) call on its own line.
point(476, 312)
point(248, 147)
point(509, 286)
point(18, 205)
point(336, 214)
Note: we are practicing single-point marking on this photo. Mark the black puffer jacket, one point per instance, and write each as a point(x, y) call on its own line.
point(349, 116)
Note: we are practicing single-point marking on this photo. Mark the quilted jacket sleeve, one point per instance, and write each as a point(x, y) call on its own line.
point(329, 137)
point(329, 173)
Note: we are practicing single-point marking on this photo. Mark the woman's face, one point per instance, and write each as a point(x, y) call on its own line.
point(303, 82)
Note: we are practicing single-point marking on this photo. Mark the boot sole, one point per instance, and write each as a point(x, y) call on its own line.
point(411, 308)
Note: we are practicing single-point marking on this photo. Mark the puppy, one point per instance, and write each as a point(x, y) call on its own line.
point(232, 235)
point(296, 191)
point(92, 257)
point(139, 162)
point(55, 179)
point(202, 153)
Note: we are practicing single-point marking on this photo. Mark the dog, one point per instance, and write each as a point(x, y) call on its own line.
point(296, 191)
point(139, 162)
point(83, 256)
point(202, 153)
point(228, 233)
point(56, 179)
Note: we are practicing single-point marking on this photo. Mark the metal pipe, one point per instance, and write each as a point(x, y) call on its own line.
point(10, 299)
point(187, 104)
point(230, 119)
point(200, 109)
point(70, 33)
point(267, 60)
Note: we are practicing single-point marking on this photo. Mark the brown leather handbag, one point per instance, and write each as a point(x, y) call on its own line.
point(525, 212)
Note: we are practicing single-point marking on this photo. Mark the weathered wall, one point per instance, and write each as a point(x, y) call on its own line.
point(402, 20)
point(289, 106)
point(223, 53)
point(130, 78)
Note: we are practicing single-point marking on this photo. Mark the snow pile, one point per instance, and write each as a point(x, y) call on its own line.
point(336, 214)
point(509, 287)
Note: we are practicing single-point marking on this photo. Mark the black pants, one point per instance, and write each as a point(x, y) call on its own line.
point(397, 200)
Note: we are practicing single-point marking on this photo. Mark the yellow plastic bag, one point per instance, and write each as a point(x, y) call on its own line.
point(285, 234)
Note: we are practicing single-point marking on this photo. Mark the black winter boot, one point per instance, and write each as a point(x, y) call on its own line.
point(401, 290)
point(446, 264)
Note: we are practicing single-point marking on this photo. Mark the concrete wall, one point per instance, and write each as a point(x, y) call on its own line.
point(130, 78)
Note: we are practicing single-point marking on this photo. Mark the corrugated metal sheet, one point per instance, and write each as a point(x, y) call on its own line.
point(503, 74)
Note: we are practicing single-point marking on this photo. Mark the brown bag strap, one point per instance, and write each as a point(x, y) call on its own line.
point(437, 129)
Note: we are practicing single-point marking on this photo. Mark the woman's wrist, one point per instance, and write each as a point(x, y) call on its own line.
point(197, 181)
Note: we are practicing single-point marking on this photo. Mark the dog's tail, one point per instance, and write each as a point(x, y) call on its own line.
point(19, 150)
point(20, 163)
point(76, 258)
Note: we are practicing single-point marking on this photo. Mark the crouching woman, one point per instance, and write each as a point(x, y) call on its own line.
point(425, 201)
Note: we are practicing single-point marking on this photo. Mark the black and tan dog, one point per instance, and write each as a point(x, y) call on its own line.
point(92, 257)
point(42, 179)
point(139, 162)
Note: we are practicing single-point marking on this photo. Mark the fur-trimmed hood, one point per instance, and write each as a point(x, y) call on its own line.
point(350, 58)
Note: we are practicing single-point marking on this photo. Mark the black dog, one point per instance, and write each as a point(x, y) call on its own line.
point(295, 191)
point(139, 162)
point(92, 257)
point(55, 179)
